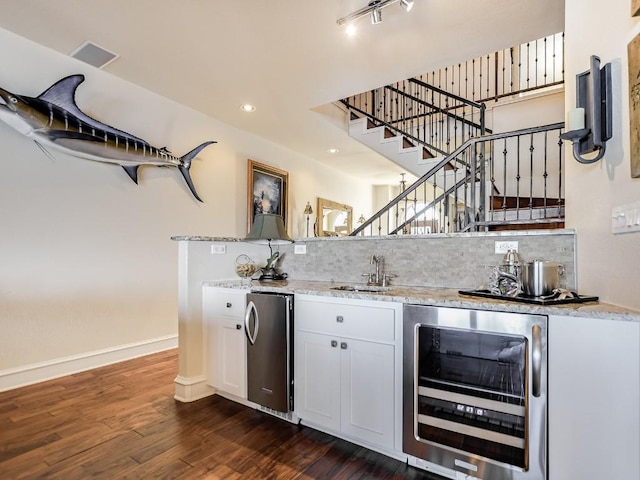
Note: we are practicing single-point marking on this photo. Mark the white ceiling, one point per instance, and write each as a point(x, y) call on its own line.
point(287, 57)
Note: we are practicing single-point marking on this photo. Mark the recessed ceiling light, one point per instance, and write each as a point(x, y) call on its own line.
point(333, 150)
point(246, 107)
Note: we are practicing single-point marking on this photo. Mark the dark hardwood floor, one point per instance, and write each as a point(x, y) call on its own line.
point(121, 422)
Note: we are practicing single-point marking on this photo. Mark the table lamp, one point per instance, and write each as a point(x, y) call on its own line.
point(268, 228)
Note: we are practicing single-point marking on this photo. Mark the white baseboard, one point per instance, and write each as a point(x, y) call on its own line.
point(60, 367)
point(190, 389)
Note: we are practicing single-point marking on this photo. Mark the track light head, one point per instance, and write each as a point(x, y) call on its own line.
point(376, 16)
point(407, 5)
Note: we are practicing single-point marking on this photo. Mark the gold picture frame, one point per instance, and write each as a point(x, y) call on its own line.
point(633, 54)
point(267, 191)
point(635, 8)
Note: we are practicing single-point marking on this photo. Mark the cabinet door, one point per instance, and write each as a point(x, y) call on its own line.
point(367, 391)
point(594, 393)
point(225, 347)
point(317, 379)
point(231, 357)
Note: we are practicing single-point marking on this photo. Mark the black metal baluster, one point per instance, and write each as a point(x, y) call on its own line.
point(531, 152)
point(518, 177)
point(488, 62)
point(466, 79)
point(545, 176)
point(528, 65)
point(536, 63)
point(492, 180)
point(560, 158)
point(504, 181)
point(473, 74)
point(546, 62)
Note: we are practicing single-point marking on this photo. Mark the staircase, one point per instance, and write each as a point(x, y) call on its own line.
point(470, 179)
point(415, 159)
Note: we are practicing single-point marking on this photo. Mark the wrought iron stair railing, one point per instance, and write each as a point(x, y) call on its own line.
point(425, 115)
point(498, 168)
point(477, 182)
point(512, 71)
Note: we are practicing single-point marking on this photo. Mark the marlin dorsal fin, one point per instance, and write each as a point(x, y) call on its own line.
point(63, 93)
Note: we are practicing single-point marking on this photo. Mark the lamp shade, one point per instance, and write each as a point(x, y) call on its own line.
point(268, 228)
point(308, 210)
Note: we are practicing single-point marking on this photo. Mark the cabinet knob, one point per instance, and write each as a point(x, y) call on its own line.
point(339, 319)
point(228, 304)
point(238, 326)
point(334, 343)
point(343, 345)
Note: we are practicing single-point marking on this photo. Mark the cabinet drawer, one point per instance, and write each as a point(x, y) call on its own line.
point(347, 319)
point(224, 302)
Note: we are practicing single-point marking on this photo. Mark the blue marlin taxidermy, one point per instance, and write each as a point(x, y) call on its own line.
point(53, 119)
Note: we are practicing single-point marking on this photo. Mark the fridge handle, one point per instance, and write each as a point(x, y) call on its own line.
point(536, 358)
point(251, 306)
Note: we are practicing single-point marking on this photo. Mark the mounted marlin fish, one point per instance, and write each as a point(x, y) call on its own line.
point(53, 119)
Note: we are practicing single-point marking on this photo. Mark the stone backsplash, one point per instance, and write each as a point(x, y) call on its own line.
point(439, 260)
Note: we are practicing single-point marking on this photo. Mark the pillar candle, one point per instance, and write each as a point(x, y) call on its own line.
point(576, 119)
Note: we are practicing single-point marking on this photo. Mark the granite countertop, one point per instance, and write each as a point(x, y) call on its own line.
point(441, 297)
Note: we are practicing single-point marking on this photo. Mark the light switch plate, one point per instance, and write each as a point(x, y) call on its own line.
point(300, 249)
point(625, 218)
point(503, 246)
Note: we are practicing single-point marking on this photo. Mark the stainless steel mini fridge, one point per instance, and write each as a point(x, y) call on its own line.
point(269, 329)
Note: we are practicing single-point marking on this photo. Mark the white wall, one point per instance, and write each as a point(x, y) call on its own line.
point(86, 260)
point(531, 110)
point(608, 264)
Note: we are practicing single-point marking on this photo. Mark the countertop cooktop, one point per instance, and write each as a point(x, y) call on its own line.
point(443, 297)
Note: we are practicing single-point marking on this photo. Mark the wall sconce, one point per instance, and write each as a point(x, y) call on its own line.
point(590, 123)
point(361, 220)
point(308, 211)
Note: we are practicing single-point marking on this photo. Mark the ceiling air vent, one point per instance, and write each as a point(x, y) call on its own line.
point(94, 55)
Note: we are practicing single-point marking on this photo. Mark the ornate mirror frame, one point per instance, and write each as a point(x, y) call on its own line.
point(327, 207)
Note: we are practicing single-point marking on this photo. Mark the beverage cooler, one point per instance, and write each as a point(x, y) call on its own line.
point(475, 392)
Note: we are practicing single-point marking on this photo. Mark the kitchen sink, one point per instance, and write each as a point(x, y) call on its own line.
point(362, 288)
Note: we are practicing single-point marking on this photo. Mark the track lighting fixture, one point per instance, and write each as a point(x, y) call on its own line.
point(374, 9)
point(407, 5)
point(376, 16)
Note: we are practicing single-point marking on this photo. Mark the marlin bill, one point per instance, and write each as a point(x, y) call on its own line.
point(53, 119)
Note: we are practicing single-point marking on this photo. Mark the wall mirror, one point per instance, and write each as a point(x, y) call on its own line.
point(334, 219)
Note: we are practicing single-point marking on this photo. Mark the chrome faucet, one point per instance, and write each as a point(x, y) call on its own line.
point(377, 260)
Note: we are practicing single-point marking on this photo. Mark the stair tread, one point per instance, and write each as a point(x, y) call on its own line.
point(497, 202)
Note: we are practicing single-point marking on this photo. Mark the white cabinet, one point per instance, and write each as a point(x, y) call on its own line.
point(346, 356)
point(594, 393)
point(225, 346)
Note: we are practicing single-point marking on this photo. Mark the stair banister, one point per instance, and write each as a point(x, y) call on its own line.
point(452, 157)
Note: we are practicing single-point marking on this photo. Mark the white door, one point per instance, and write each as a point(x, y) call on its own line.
point(317, 379)
point(225, 348)
point(231, 374)
point(368, 391)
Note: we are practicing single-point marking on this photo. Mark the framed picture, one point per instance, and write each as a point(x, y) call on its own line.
point(633, 53)
point(635, 8)
point(267, 191)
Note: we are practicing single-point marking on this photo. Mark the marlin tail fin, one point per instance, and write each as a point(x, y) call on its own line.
point(186, 165)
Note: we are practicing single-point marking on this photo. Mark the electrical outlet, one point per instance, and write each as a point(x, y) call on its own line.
point(503, 246)
point(218, 249)
point(300, 249)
